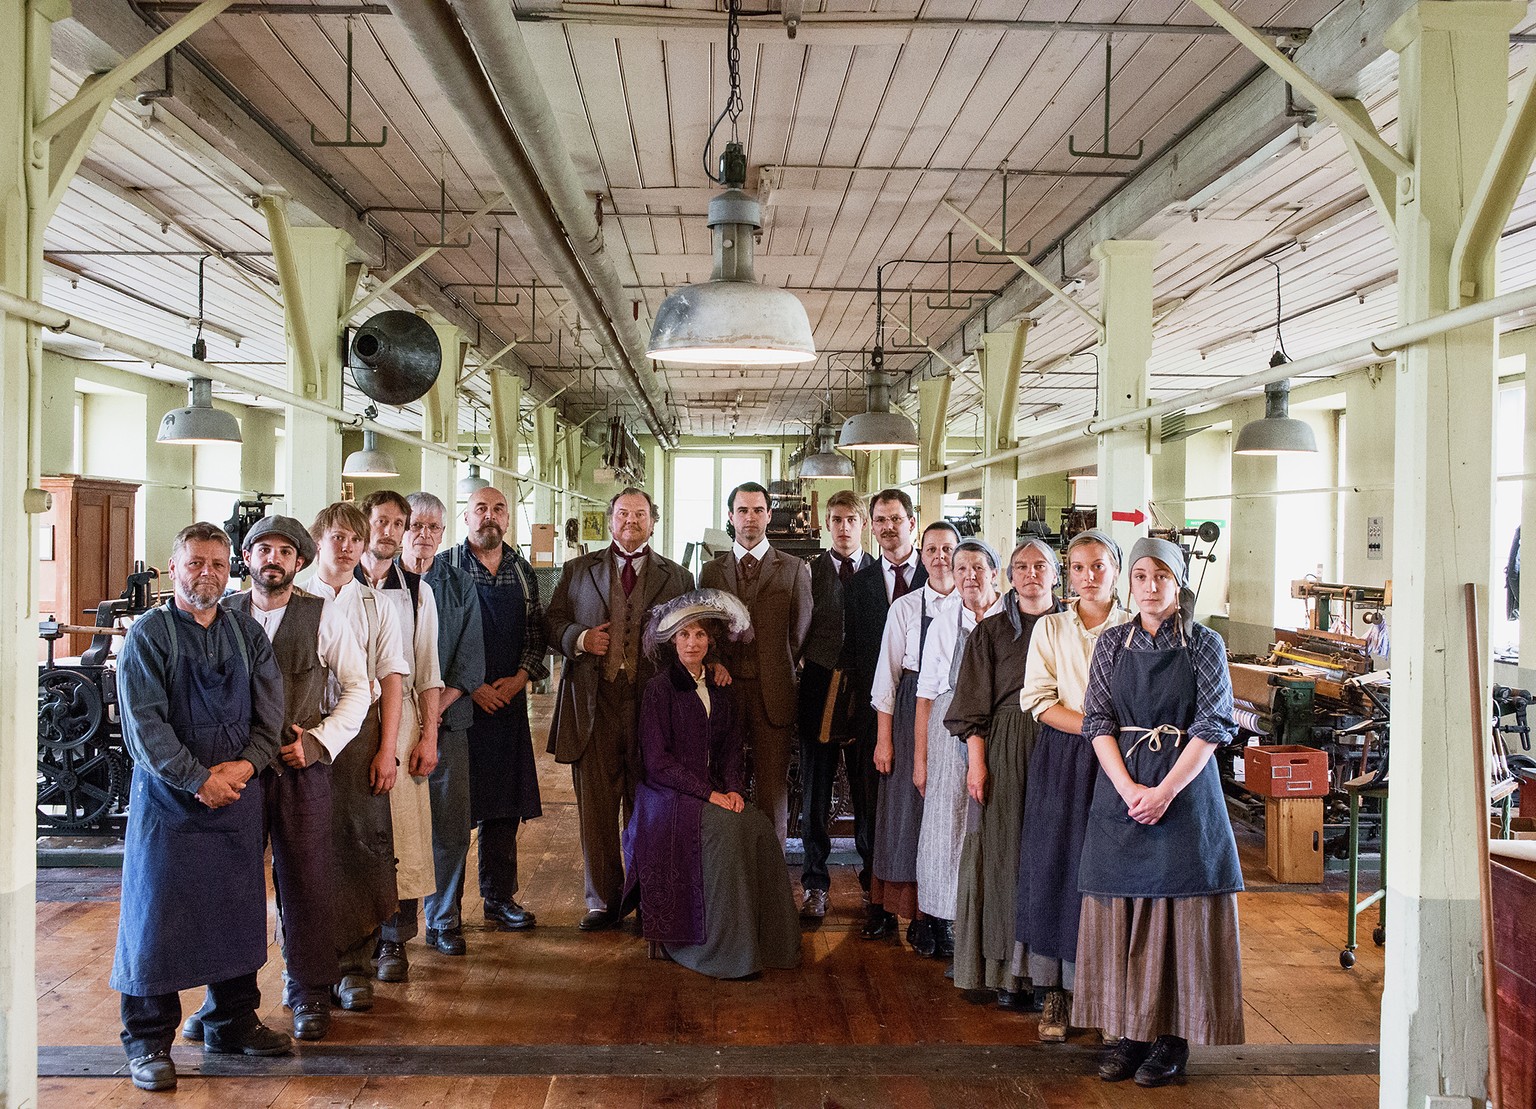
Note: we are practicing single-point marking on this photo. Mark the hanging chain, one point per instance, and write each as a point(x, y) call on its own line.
point(733, 102)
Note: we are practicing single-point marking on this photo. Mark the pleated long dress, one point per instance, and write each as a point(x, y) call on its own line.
point(986, 704)
point(944, 799)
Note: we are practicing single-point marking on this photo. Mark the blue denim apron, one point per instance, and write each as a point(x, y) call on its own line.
point(1190, 852)
point(194, 898)
point(503, 777)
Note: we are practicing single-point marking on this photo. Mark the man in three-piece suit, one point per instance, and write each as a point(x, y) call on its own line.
point(776, 588)
point(867, 600)
point(826, 717)
point(595, 620)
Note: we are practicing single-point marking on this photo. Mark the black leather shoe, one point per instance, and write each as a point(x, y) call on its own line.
point(154, 1071)
point(391, 961)
point(920, 936)
point(192, 1029)
point(1120, 1062)
point(1164, 1063)
point(598, 920)
point(509, 916)
point(1018, 1001)
point(354, 994)
point(943, 939)
point(449, 941)
point(311, 1020)
point(815, 906)
point(260, 1040)
point(879, 925)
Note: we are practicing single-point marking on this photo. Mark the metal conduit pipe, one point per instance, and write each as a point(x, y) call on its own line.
point(57, 321)
point(440, 38)
point(1337, 360)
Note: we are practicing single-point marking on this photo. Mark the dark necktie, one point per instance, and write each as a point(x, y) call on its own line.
point(900, 588)
point(746, 569)
point(627, 576)
point(844, 569)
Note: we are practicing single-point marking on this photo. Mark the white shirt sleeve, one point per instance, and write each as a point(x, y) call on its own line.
point(1040, 691)
point(343, 656)
point(933, 675)
point(429, 674)
point(893, 645)
point(391, 654)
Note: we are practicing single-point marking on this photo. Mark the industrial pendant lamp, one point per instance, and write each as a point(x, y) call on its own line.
point(473, 482)
point(370, 461)
point(731, 319)
point(878, 428)
point(199, 421)
point(826, 462)
point(1277, 432)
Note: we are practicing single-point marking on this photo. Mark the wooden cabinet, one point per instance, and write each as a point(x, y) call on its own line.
point(1514, 915)
point(89, 535)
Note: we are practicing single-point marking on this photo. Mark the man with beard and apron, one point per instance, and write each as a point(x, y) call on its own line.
point(503, 780)
point(1157, 952)
point(410, 801)
point(202, 707)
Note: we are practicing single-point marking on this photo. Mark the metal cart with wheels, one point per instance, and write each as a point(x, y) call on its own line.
point(1369, 786)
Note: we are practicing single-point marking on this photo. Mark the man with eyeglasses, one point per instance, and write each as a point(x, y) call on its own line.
point(461, 658)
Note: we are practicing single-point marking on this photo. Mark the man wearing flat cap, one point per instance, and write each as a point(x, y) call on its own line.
point(326, 693)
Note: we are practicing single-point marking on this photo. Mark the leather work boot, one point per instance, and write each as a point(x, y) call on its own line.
point(1053, 1017)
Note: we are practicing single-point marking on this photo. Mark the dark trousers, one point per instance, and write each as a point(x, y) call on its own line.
point(498, 859)
point(769, 746)
point(403, 926)
point(604, 779)
point(449, 790)
point(818, 772)
point(149, 1023)
point(298, 825)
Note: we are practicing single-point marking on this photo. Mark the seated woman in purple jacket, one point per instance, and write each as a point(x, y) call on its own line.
point(714, 891)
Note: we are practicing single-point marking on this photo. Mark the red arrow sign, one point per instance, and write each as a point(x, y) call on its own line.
point(1135, 517)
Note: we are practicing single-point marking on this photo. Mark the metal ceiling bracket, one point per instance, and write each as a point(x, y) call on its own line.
point(1044, 282)
point(919, 343)
point(533, 316)
point(410, 267)
point(348, 141)
point(1328, 106)
point(88, 99)
point(67, 148)
point(443, 241)
point(1105, 153)
point(496, 300)
point(948, 303)
point(1003, 251)
point(792, 12)
point(1491, 205)
point(488, 364)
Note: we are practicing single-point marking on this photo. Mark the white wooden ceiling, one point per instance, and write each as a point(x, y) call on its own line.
point(854, 136)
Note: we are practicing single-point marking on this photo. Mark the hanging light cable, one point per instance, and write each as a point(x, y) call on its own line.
point(472, 483)
point(731, 319)
point(877, 428)
point(1277, 432)
point(199, 421)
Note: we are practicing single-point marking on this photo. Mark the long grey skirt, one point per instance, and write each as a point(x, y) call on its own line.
point(1160, 966)
point(899, 810)
point(943, 831)
point(986, 906)
point(750, 921)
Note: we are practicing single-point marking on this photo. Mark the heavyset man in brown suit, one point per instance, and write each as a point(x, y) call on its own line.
point(594, 620)
point(776, 588)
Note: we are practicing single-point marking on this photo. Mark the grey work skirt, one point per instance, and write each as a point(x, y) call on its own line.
point(944, 804)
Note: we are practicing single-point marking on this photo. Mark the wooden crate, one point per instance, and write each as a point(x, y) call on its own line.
point(1293, 839)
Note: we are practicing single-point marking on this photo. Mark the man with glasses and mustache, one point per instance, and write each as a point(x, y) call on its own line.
point(503, 780)
point(202, 710)
point(461, 657)
point(410, 801)
point(313, 646)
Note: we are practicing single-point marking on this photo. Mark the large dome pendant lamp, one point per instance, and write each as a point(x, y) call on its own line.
point(730, 319)
point(877, 428)
point(1277, 433)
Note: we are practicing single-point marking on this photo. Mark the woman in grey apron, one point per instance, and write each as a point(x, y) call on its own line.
point(1062, 769)
point(899, 810)
point(941, 763)
point(1157, 953)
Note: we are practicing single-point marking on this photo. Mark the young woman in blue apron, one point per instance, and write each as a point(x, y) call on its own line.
point(1157, 954)
point(1062, 770)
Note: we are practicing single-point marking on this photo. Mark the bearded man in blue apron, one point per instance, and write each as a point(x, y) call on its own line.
point(1158, 963)
point(202, 708)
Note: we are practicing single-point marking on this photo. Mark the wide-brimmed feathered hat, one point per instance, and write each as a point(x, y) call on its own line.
point(701, 604)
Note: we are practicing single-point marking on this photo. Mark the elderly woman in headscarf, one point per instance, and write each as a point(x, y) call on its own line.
point(707, 866)
point(940, 763)
point(1157, 950)
point(999, 738)
point(1062, 769)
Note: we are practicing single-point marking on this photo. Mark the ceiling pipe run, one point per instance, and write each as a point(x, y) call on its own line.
point(524, 146)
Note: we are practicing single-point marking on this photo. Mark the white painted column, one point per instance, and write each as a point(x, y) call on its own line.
point(1252, 542)
point(1370, 408)
point(506, 400)
point(1125, 469)
point(440, 418)
point(545, 454)
point(1454, 89)
point(1000, 357)
point(932, 441)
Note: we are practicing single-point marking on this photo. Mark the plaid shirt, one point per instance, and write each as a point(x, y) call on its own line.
point(1213, 682)
point(513, 571)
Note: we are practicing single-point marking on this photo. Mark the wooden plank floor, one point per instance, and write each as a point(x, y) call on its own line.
point(556, 990)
